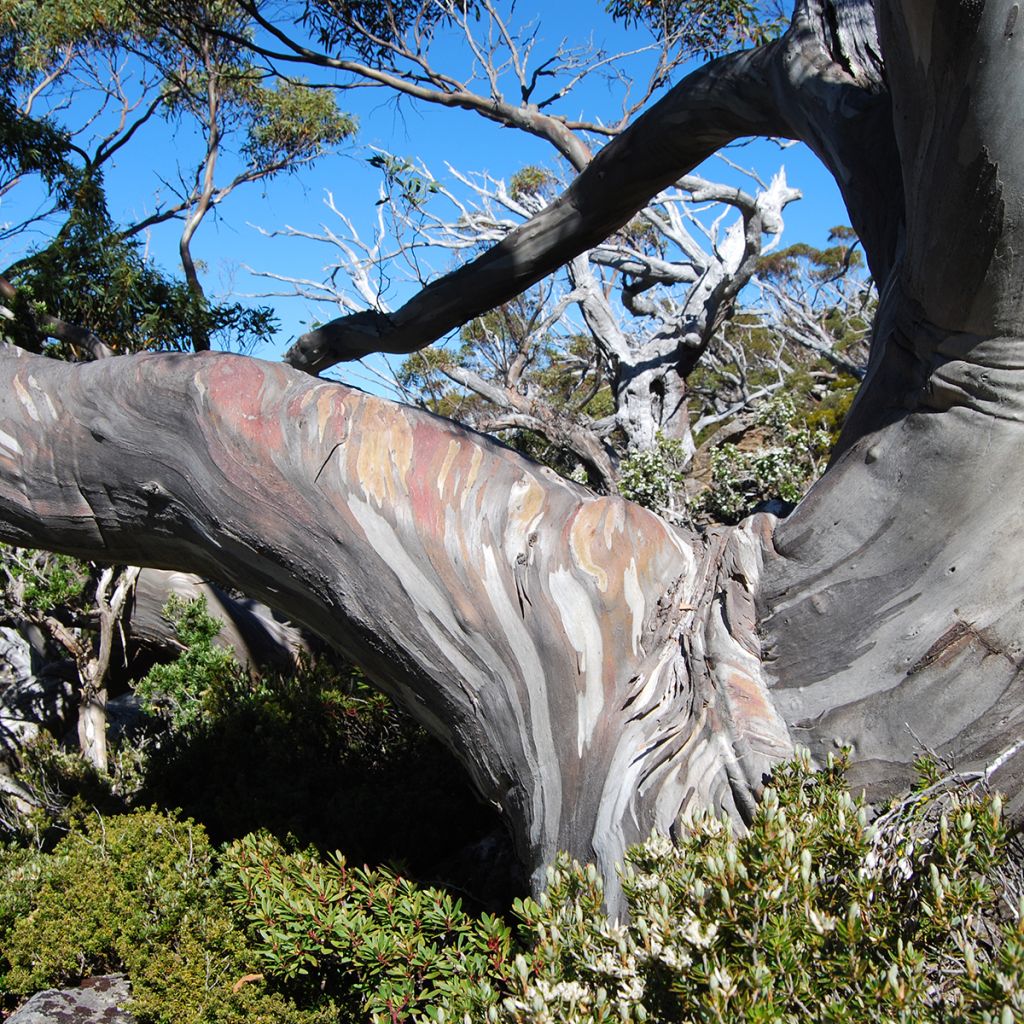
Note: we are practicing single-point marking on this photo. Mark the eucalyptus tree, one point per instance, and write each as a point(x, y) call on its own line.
point(82, 83)
point(599, 672)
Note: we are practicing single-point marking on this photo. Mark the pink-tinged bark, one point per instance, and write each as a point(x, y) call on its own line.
point(598, 672)
point(591, 666)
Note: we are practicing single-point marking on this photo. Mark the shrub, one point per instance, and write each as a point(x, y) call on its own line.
point(135, 893)
point(181, 690)
point(813, 912)
point(651, 478)
point(742, 480)
point(394, 951)
point(319, 755)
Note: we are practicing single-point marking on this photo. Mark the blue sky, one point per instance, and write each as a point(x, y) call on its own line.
point(229, 242)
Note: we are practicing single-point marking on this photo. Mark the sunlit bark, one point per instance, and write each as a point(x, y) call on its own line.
point(597, 671)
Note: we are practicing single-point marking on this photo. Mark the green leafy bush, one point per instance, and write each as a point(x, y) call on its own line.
point(180, 691)
point(392, 950)
point(319, 755)
point(815, 912)
point(741, 480)
point(652, 477)
point(137, 893)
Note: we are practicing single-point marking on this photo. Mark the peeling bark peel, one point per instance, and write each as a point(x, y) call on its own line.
point(532, 625)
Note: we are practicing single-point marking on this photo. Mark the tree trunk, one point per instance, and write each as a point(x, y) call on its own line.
point(92, 727)
point(252, 632)
point(597, 671)
point(593, 668)
point(894, 618)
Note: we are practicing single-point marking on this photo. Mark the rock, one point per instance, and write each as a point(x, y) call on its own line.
point(96, 1001)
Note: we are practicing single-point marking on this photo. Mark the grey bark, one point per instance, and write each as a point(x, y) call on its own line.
point(532, 625)
point(597, 671)
point(256, 636)
point(893, 619)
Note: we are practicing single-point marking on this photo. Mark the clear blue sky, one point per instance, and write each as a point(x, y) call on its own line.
point(229, 242)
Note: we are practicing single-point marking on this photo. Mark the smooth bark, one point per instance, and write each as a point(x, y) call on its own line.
point(893, 620)
point(597, 671)
point(594, 669)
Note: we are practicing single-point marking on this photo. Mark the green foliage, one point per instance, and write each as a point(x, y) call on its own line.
point(806, 262)
point(403, 181)
point(319, 755)
point(180, 692)
point(136, 893)
point(90, 275)
point(703, 27)
point(65, 789)
point(531, 180)
point(93, 273)
point(742, 480)
point(293, 123)
point(391, 950)
point(650, 478)
point(829, 414)
point(896, 919)
point(812, 908)
point(41, 581)
point(367, 27)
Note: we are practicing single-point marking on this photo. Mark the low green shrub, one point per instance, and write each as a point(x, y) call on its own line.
point(138, 893)
point(391, 950)
point(814, 912)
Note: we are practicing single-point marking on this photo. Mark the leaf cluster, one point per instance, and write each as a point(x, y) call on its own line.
point(651, 477)
point(181, 691)
point(388, 949)
point(41, 581)
point(371, 29)
point(703, 28)
point(90, 275)
point(781, 469)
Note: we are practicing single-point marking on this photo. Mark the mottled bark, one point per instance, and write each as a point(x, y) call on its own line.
point(592, 667)
point(597, 671)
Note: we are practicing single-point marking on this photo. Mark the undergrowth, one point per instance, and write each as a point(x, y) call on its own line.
point(816, 911)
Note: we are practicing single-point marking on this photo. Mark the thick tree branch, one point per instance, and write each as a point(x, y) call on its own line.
point(532, 626)
point(710, 108)
point(820, 83)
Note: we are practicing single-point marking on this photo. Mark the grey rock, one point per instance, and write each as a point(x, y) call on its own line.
point(96, 1001)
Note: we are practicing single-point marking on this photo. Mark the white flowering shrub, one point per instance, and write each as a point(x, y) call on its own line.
point(652, 478)
point(742, 480)
point(813, 914)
